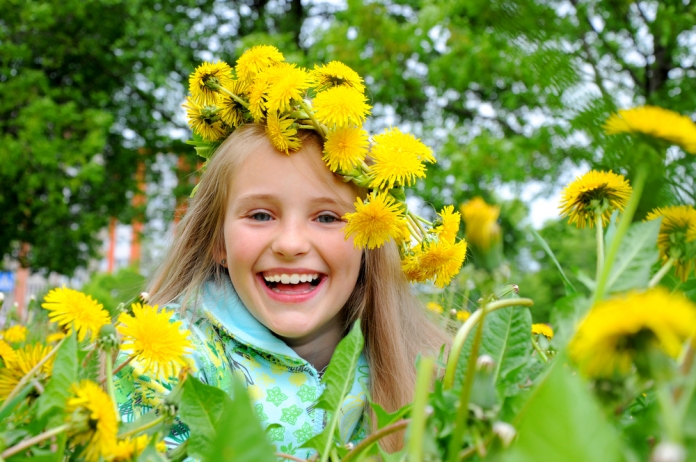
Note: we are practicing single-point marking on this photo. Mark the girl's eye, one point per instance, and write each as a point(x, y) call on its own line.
point(327, 219)
point(260, 216)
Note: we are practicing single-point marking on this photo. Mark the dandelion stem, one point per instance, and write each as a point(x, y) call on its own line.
point(670, 414)
point(143, 427)
point(423, 220)
point(414, 232)
point(376, 436)
point(661, 273)
point(109, 366)
point(234, 97)
point(538, 349)
point(415, 218)
point(29, 375)
point(317, 126)
point(600, 244)
point(33, 440)
point(463, 407)
point(306, 127)
point(463, 333)
point(418, 412)
point(621, 231)
point(683, 394)
point(121, 366)
point(365, 168)
point(419, 234)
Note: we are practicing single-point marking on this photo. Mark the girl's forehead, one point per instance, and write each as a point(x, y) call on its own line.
point(265, 170)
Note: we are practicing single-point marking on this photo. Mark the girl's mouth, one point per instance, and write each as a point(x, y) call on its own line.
point(291, 285)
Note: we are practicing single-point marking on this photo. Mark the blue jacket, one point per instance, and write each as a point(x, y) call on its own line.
point(283, 387)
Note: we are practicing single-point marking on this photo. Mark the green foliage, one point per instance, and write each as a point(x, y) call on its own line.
point(114, 288)
point(637, 254)
point(563, 421)
point(55, 396)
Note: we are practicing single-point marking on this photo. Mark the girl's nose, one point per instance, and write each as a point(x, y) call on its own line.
point(291, 241)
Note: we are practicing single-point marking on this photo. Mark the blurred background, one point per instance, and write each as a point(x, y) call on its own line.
point(511, 95)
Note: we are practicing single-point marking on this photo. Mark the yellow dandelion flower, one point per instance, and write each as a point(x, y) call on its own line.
point(594, 190)
point(341, 106)
point(481, 219)
point(205, 120)
point(375, 221)
point(435, 307)
point(70, 308)
point(128, 449)
point(15, 334)
point(282, 134)
point(232, 113)
point(542, 329)
point(616, 331)
point(336, 74)
point(290, 86)
point(656, 122)
point(7, 353)
point(256, 59)
point(98, 424)
point(449, 227)
point(345, 148)
point(257, 94)
point(156, 341)
point(398, 159)
point(19, 365)
point(441, 260)
point(205, 78)
point(463, 315)
point(56, 337)
point(161, 447)
point(677, 237)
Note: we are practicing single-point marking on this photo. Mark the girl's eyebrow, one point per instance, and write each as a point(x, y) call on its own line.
point(321, 200)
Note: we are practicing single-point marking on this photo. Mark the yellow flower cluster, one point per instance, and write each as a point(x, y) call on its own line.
point(542, 329)
point(677, 237)
point(481, 219)
point(656, 122)
point(330, 99)
point(619, 331)
point(592, 195)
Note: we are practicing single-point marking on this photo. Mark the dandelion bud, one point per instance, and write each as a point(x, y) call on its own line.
point(108, 340)
point(350, 446)
point(505, 432)
point(668, 451)
point(485, 363)
point(453, 313)
point(144, 297)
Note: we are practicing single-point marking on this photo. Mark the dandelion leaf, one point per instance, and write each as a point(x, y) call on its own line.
point(637, 255)
point(65, 373)
point(563, 421)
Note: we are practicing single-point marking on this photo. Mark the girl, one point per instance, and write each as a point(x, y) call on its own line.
point(268, 283)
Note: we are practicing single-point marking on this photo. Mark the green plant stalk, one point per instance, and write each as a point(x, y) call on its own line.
point(661, 273)
point(234, 97)
point(413, 232)
point(319, 128)
point(463, 333)
point(418, 414)
point(621, 230)
point(670, 415)
point(536, 346)
point(306, 127)
point(463, 407)
point(29, 375)
point(109, 371)
point(144, 427)
point(423, 220)
point(415, 219)
point(282, 455)
point(419, 233)
point(374, 437)
point(120, 366)
point(22, 445)
point(683, 396)
point(600, 244)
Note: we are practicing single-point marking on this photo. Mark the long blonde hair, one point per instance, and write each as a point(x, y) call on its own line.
point(394, 323)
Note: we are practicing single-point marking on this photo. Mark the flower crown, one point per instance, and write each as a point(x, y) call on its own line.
point(330, 100)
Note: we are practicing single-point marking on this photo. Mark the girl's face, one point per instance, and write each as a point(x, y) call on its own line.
point(287, 255)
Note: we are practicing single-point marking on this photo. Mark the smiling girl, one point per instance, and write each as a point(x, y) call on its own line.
point(262, 268)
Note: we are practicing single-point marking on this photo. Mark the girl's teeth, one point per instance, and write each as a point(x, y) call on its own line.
point(291, 278)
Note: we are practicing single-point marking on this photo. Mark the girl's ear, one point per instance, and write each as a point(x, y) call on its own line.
point(221, 256)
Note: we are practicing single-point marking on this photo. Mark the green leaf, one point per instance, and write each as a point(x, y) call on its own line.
point(64, 375)
point(338, 379)
point(565, 317)
point(637, 254)
point(507, 339)
point(242, 438)
point(563, 422)
point(570, 288)
point(200, 408)
point(384, 418)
